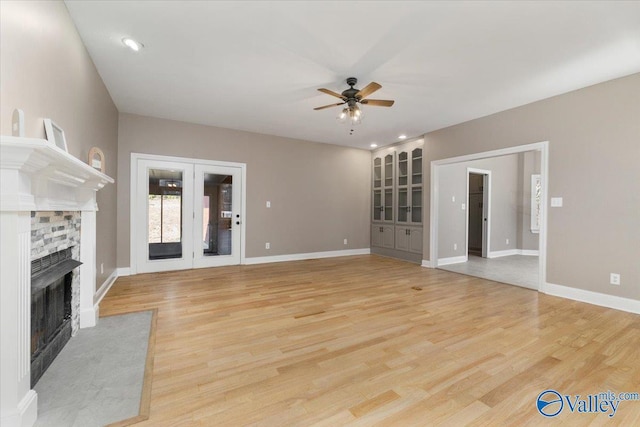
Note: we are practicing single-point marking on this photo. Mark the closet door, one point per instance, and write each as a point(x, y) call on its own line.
point(218, 210)
point(164, 205)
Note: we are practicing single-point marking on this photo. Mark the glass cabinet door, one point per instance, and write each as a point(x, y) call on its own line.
point(415, 207)
point(377, 172)
point(383, 188)
point(403, 204)
point(388, 204)
point(403, 168)
point(377, 205)
point(388, 187)
point(416, 166)
point(388, 170)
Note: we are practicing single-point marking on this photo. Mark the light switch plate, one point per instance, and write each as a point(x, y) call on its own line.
point(556, 202)
point(268, 204)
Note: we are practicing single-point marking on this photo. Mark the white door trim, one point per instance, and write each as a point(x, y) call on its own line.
point(543, 147)
point(133, 193)
point(486, 200)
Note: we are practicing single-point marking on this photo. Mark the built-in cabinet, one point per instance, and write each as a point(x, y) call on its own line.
point(397, 200)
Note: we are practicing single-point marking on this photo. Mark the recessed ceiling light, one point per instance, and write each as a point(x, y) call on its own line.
point(403, 136)
point(132, 44)
point(374, 145)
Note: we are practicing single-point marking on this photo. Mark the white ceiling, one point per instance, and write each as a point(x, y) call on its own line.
point(256, 66)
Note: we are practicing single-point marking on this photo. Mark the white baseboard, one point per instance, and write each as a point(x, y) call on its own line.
point(595, 298)
point(105, 287)
point(124, 271)
point(310, 255)
point(508, 252)
point(427, 263)
point(452, 260)
point(89, 317)
point(25, 414)
point(529, 252)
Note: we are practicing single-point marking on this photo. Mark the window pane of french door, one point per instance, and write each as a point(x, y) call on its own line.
point(217, 214)
point(164, 207)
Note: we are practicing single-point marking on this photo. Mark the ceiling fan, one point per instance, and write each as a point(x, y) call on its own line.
point(352, 97)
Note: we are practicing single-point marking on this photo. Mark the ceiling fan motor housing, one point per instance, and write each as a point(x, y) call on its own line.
point(350, 93)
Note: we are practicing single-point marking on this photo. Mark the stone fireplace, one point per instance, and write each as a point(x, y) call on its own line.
point(47, 212)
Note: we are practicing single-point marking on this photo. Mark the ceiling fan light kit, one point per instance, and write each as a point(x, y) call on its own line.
point(352, 112)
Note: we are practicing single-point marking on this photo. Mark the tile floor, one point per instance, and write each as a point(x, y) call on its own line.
point(520, 270)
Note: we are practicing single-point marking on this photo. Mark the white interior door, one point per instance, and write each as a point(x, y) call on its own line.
point(164, 220)
point(217, 215)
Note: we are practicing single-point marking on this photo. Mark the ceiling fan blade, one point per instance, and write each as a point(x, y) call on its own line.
point(378, 102)
point(328, 106)
point(368, 90)
point(332, 93)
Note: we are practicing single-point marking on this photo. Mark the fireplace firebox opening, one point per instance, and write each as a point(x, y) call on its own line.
point(51, 278)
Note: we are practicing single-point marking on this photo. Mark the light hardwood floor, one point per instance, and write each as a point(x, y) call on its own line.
point(348, 341)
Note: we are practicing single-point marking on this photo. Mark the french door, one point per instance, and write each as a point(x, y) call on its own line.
point(217, 218)
point(185, 214)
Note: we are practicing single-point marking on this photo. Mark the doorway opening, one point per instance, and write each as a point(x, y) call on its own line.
point(478, 211)
point(516, 243)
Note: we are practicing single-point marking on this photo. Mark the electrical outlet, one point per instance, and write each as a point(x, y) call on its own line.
point(614, 279)
point(455, 246)
point(464, 206)
point(267, 245)
point(268, 203)
point(507, 241)
point(102, 268)
point(345, 241)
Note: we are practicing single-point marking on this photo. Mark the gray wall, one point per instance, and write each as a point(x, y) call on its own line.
point(505, 201)
point(594, 137)
point(319, 193)
point(47, 72)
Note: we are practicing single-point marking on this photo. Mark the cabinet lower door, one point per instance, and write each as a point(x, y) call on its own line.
point(376, 235)
point(402, 238)
point(415, 240)
point(382, 236)
point(387, 237)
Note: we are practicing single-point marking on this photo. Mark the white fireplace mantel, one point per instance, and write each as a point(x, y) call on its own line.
point(35, 175)
point(38, 176)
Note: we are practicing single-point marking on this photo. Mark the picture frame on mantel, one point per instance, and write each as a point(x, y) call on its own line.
point(55, 135)
point(96, 159)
